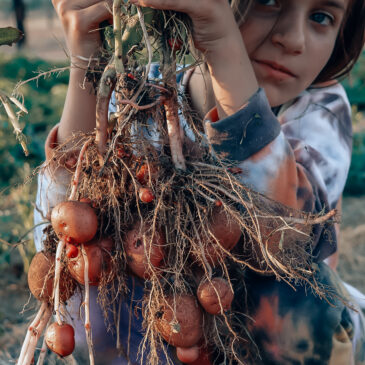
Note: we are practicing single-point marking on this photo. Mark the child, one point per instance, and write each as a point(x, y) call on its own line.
point(281, 62)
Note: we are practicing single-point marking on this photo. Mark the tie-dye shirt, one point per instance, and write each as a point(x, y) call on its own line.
point(300, 158)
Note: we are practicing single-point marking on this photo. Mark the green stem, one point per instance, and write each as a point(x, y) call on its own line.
point(117, 27)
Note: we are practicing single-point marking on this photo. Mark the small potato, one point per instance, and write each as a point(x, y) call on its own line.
point(74, 221)
point(226, 231)
point(187, 354)
point(215, 295)
point(146, 173)
point(98, 252)
point(146, 195)
point(180, 321)
point(60, 339)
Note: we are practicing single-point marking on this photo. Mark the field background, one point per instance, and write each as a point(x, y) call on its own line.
point(44, 51)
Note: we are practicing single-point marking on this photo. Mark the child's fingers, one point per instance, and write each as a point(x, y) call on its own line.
point(82, 20)
point(96, 13)
point(62, 7)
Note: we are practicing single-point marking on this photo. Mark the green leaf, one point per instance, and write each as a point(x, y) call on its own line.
point(10, 35)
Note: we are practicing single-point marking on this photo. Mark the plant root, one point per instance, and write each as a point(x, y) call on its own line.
point(34, 332)
point(87, 306)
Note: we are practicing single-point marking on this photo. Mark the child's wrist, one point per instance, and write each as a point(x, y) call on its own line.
point(83, 63)
point(232, 77)
point(217, 50)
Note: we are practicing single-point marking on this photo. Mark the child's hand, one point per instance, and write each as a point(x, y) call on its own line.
point(213, 21)
point(80, 20)
point(216, 34)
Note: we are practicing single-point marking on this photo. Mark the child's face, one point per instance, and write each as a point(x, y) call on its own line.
point(290, 41)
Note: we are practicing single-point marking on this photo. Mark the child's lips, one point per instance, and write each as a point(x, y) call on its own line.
point(275, 70)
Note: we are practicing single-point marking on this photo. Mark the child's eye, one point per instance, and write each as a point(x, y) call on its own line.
point(266, 5)
point(322, 18)
point(267, 2)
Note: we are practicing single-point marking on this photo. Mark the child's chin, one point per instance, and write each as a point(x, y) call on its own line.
point(277, 96)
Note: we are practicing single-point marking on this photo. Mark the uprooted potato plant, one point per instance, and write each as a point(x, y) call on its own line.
point(146, 200)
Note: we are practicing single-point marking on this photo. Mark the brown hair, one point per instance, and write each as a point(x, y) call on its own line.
point(240, 9)
point(349, 43)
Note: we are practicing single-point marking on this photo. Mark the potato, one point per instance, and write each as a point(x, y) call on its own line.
point(226, 231)
point(98, 252)
point(41, 275)
point(180, 321)
point(146, 173)
point(138, 250)
point(74, 221)
point(187, 354)
point(60, 338)
point(215, 295)
point(145, 195)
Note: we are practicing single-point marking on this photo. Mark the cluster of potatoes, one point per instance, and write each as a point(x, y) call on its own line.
point(180, 319)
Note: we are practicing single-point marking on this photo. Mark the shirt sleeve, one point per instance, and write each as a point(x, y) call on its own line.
point(300, 159)
point(53, 181)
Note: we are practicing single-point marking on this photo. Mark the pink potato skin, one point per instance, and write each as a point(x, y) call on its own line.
point(99, 254)
point(41, 275)
point(215, 295)
point(187, 355)
point(60, 339)
point(137, 249)
point(75, 222)
point(185, 328)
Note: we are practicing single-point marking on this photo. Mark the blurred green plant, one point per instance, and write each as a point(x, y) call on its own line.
point(355, 184)
point(355, 88)
point(44, 98)
point(16, 221)
point(8, 36)
point(355, 83)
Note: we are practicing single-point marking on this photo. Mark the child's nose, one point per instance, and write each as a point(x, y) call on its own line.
point(289, 33)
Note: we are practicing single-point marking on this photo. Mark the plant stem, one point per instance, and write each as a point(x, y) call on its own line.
point(43, 352)
point(76, 179)
point(87, 305)
point(149, 52)
point(106, 87)
point(56, 283)
point(174, 132)
point(34, 332)
point(35, 335)
point(14, 121)
point(30, 329)
point(117, 28)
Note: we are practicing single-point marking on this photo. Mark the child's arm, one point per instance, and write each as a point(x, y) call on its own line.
point(80, 20)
